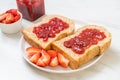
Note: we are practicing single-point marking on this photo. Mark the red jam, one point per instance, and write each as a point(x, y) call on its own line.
point(31, 9)
point(50, 29)
point(84, 40)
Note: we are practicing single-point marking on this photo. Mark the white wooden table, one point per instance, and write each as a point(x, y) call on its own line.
point(102, 12)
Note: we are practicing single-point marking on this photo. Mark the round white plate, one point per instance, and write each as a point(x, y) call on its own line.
point(58, 69)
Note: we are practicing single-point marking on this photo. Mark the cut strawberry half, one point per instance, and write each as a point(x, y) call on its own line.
point(52, 53)
point(3, 16)
point(45, 57)
point(17, 17)
point(35, 58)
point(32, 50)
point(12, 11)
point(62, 60)
point(40, 62)
point(54, 62)
point(44, 60)
point(9, 19)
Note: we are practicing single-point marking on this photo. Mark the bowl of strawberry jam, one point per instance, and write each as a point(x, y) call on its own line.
point(31, 9)
point(10, 21)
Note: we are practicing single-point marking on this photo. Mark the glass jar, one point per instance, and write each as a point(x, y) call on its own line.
point(31, 9)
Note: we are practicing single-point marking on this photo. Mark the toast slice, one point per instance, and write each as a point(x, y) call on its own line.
point(77, 60)
point(32, 39)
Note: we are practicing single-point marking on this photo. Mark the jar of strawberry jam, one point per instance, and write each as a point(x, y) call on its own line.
point(31, 9)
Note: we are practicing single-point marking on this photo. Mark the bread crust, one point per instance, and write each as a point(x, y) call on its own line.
point(77, 60)
point(32, 39)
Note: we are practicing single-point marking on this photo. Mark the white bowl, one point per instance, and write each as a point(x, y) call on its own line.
point(13, 27)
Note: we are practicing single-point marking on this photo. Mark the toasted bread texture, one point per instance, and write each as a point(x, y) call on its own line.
point(77, 60)
point(32, 39)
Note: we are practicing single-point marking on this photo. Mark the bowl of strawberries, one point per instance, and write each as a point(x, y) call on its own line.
point(10, 21)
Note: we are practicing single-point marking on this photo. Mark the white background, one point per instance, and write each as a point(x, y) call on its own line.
point(102, 12)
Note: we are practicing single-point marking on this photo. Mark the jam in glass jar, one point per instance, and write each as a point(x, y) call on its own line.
point(31, 9)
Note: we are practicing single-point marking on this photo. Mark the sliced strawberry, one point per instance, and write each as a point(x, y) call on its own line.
point(35, 58)
point(9, 19)
point(3, 16)
point(44, 59)
point(32, 50)
point(12, 11)
point(17, 17)
point(54, 62)
point(52, 53)
point(62, 60)
point(40, 62)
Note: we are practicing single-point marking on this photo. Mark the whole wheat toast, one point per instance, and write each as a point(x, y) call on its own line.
point(77, 60)
point(32, 39)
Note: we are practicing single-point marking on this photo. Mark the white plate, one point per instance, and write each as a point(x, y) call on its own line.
point(58, 69)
